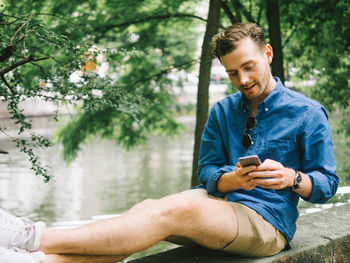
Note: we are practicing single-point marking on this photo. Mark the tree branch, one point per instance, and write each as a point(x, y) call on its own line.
point(228, 12)
point(8, 23)
point(289, 37)
point(7, 52)
point(238, 8)
point(165, 71)
point(237, 4)
point(8, 135)
point(145, 19)
point(40, 67)
point(20, 63)
point(8, 85)
point(60, 17)
point(19, 29)
point(259, 15)
point(12, 16)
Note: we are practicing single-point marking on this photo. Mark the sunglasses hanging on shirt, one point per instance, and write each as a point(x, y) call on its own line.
point(249, 125)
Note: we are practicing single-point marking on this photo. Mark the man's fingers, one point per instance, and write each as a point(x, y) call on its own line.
point(247, 169)
point(262, 181)
point(269, 165)
point(264, 174)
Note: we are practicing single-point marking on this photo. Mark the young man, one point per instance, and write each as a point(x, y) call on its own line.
point(243, 210)
point(289, 132)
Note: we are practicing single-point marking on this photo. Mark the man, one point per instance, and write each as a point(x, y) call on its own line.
point(249, 210)
point(288, 131)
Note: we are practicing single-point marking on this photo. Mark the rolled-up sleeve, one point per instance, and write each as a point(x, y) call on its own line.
point(213, 156)
point(318, 159)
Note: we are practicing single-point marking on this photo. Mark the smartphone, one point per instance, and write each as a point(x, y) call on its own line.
point(249, 160)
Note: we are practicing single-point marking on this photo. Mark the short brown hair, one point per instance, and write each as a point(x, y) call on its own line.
point(226, 41)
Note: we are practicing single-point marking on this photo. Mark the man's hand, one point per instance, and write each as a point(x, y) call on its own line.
point(272, 175)
point(237, 179)
point(241, 178)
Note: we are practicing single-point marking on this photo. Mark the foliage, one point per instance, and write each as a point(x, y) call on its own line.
point(22, 39)
point(320, 48)
point(44, 42)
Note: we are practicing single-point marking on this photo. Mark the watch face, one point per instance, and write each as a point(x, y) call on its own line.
point(298, 179)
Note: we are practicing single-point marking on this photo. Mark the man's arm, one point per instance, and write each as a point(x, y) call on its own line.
point(213, 161)
point(318, 158)
point(319, 178)
point(270, 174)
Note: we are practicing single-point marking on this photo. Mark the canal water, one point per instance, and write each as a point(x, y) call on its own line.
point(106, 180)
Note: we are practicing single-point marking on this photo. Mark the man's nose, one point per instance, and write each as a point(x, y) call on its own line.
point(243, 78)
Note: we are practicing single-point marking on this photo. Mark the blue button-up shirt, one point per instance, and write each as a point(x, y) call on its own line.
point(291, 129)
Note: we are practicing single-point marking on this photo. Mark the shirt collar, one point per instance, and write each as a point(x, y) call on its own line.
point(268, 101)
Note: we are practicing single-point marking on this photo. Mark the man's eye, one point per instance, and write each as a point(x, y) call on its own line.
point(249, 68)
point(232, 74)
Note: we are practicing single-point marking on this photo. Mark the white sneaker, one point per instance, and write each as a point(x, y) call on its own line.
point(19, 233)
point(20, 256)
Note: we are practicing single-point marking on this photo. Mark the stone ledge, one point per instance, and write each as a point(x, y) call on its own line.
point(321, 237)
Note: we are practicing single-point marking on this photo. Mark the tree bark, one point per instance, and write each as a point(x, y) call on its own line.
point(203, 84)
point(273, 18)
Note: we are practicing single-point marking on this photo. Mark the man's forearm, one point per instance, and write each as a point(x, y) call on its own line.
point(226, 182)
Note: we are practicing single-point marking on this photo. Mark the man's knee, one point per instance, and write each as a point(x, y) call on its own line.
point(147, 203)
point(194, 218)
point(175, 211)
point(181, 207)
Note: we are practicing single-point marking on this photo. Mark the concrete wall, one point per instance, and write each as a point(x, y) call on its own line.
point(322, 237)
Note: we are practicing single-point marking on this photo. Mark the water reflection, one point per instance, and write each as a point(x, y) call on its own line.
point(104, 179)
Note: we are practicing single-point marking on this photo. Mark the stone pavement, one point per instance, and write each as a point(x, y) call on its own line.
point(322, 237)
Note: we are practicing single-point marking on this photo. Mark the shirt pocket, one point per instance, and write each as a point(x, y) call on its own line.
point(284, 151)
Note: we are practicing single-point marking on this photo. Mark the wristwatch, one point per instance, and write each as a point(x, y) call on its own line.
point(297, 181)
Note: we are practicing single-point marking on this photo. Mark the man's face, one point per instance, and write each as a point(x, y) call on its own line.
point(248, 68)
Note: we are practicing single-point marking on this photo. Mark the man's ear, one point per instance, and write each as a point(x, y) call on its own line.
point(268, 53)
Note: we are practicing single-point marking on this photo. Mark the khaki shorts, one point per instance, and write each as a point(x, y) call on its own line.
point(256, 237)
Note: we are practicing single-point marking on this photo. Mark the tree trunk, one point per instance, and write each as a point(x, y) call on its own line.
point(273, 18)
point(203, 84)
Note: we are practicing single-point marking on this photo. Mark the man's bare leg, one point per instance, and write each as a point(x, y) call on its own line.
point(210, 223)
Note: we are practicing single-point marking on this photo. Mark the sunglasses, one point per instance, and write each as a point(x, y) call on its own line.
point(249, 125)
